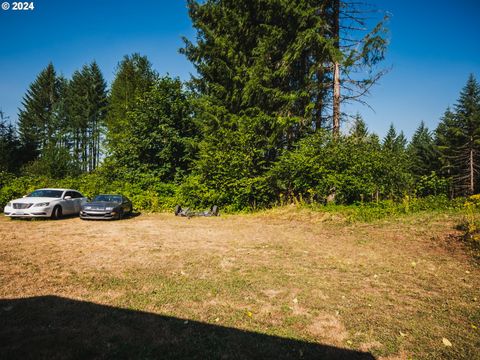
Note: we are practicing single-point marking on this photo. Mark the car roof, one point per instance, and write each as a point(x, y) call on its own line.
point(57, 189)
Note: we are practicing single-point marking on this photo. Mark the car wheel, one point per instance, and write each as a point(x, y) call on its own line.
point(57, 212)
point(120, 215)
point(178, 210)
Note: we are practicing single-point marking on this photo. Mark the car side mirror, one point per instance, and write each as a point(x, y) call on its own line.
point(24, 196)
point(67, 197)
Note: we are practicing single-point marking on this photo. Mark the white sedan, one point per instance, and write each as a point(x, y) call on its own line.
point(52, 203)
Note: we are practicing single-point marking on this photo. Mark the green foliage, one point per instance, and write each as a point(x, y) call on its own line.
point(61, 122)
point(251, 132)
point(55, 162)
point(431, 185)
point(422, 152)
point(367, 212)
point(36, 120)
point(471, 223)
point(146, 192)
point(86, 101)
point(458, 140)
point(160, 132)
point(347, 169)
point(10, 147)
point(134, 77)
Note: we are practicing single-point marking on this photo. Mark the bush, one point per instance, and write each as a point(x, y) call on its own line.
point(352, 169)
point(370, 211)
point(146, 193)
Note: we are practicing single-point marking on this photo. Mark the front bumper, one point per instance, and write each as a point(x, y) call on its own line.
point(98, 215)
point(32, 212)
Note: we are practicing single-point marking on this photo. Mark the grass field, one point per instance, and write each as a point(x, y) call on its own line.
point(286, 283)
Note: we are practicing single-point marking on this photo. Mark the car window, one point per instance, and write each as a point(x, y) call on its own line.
point(108, 198)
point(46, 193)
point(77, 195)
point(69, 193)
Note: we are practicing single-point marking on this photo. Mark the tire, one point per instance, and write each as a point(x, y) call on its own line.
point(121, 214)
point(178, 210)
point(57, 212)
point(214, 210)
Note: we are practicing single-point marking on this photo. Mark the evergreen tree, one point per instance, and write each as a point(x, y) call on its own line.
point(36, 120)
point(458, 140)
point(359, 129)
point(265, 80)
point(87, 101)
point(393, 142)
point(134, 77)
point(396, 170)
point(10, 147)
point(444, 136)
point(468, 133)
point(97, 114)
point(422, 152)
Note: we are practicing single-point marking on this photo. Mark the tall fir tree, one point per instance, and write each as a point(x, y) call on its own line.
point(36, 120)
point(444, 136)
point(422, 152)
point(87, 102)
point(264, 79)
point(458, 138)
point(10, 147)
point(394, 142)
point(359, 130)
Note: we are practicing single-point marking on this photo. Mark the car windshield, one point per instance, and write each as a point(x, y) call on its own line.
point(108, 198)
point(46, 193)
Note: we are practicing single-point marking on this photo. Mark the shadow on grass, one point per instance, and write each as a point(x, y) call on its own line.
point(132, 215)
point(50, 327)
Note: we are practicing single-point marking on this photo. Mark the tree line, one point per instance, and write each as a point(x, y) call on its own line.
point(259, 123)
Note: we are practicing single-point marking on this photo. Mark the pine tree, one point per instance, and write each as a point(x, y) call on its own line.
point(444, 138)
point(98, 113)
point(264, 80)
point(394, 142)
point(87, 101)
point(359, 129)
point(458, 138)
point(36, 120)
point(422, 152)
point(10, 147)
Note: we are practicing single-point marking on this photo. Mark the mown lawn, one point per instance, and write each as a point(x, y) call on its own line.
point(286, 283)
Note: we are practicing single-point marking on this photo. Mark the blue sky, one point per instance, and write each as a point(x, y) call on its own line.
point(434, 46)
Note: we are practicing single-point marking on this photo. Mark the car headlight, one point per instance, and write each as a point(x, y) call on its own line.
point(109, 208)
point(42, 204)
point(87, 208)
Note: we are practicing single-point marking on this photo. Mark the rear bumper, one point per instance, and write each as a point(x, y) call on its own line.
point(98, 215)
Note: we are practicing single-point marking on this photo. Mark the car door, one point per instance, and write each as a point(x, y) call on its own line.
point(68, 205)
point(79, 201)
point(126, 205)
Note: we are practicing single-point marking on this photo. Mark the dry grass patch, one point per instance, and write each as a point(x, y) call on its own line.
point(393, 288)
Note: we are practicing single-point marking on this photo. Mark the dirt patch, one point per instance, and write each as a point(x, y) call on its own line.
point(328, 328)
